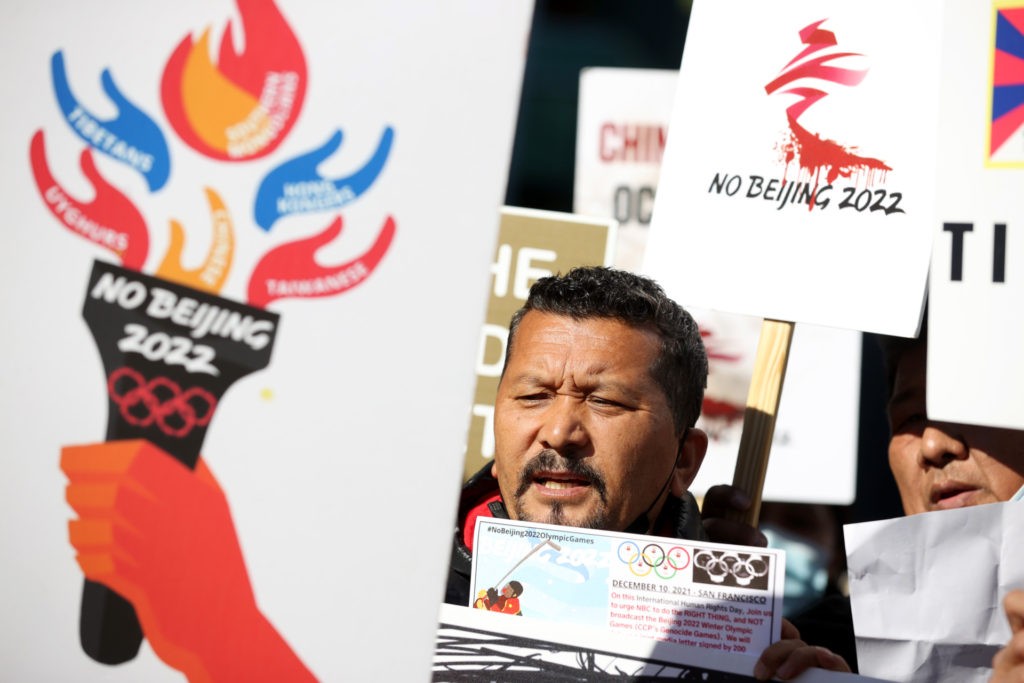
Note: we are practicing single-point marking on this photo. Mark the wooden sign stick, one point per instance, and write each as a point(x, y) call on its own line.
point(759, 416)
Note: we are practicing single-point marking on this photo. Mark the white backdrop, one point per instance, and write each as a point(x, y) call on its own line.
point(351, 439)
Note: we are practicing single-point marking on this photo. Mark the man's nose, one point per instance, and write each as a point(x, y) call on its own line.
point(564, 428)
point(939, 446)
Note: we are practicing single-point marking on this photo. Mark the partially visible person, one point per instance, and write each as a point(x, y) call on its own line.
point(944, 465)
point(594, 426)
point(1008, 664)
point(815, 597)
point(941, 465)
point(505, 602)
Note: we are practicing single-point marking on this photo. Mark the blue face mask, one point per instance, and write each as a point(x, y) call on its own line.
point(806, 569)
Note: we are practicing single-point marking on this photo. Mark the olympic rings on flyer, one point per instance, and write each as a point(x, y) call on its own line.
point(159, 401)
point(653, 557)
point(719, 565)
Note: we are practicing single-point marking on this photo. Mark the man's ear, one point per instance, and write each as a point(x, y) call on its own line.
point(692, 447)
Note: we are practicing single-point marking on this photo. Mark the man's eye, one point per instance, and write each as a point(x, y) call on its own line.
point(604, 401)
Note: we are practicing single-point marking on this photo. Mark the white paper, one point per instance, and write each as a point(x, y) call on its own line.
point(479, 646)
point(927, 591)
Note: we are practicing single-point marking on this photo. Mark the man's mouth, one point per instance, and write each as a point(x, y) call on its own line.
point(553, 476)
point(557, 482)
point(952, 494)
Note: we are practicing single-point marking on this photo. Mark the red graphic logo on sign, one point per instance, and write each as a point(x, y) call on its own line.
point(807, 76)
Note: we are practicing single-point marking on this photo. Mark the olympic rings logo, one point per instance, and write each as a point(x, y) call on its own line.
point(720, 565)
point(161, 400)
point(652, 558)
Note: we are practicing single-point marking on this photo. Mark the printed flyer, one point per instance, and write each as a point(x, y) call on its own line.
point(702, 595)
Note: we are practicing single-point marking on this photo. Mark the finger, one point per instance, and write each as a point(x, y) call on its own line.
point(774, 656)
point(721, 530)
point(722, 497)
point(108, 569)
point(91, 534)
point(98, 459)
point(789, 630)
point(1013, 603)
point(91, 499)
point(105, 538)
point(803, 658)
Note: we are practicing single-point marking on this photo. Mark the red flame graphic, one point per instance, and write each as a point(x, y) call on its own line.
point(291, 271)
point(109, 220)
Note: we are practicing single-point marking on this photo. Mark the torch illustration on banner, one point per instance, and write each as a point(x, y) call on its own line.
point(155, 540)
point(169, 354)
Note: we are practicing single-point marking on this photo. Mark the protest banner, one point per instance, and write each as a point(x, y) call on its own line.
point(976, 288)
point(776, 144)
point(621, 132)
point(531, 244)
point(246, 232)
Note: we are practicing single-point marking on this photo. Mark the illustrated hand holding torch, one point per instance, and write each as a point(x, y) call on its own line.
point(169, 354)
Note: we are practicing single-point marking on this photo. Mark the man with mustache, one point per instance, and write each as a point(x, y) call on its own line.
point(594, 426)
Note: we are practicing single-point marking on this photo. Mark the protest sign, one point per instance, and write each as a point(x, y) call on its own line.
point(790, 189)
point(621, 131)
point(977, 280)
point(531, 244)
point(242, 231)
point(782, 155)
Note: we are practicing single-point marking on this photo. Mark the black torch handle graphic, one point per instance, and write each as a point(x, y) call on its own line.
point(219, 340)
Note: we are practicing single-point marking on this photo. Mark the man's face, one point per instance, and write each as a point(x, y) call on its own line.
point(507, 591)
point(583, 434)
point(942, 465)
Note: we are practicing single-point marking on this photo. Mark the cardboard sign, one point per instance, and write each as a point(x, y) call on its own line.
point(623, 116)
point(285, 197)
point(621, 131)
point(976, 294)
point(800, 163)
point(531, 245)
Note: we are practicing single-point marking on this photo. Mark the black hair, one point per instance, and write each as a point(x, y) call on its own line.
point(681, 369)
point(894, 348)
point(516, 587)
